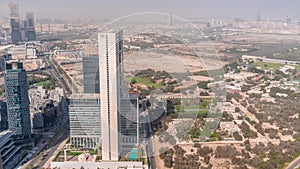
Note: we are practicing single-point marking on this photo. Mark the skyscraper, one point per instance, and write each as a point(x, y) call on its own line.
point(110, 63)
point(15, 22)
point(30, 28)
point(16, 89)
point(90, 69)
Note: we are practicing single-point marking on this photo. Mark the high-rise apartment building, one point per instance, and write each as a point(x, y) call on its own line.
point(16, 89)
point(110, 64)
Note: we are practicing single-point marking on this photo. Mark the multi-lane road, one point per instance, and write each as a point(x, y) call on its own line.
point(294, 164)
point(56, 75)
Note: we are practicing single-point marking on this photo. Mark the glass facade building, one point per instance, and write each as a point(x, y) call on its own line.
point(84, 113)
point(16, 89)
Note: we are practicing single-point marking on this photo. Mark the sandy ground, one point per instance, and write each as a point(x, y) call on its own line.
point(142, 60)
point(262, 38)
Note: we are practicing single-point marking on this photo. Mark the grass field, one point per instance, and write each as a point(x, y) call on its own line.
point(268, 66)
point(272, 66)
point(140, 80)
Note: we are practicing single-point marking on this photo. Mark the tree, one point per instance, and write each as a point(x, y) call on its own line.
point(203, 84)
point(206, 159)
point(245, 88)
point(237, 136)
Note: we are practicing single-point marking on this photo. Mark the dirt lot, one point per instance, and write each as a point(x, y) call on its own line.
point(142, 60)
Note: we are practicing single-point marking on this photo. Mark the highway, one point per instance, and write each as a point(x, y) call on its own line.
point(294, 164)
point(56, 75)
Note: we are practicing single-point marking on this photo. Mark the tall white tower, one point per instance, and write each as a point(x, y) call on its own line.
point(110, 70)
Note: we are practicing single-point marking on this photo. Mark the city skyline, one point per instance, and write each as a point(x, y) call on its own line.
point(192, 9)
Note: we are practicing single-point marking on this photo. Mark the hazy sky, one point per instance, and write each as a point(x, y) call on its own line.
point(185, 8)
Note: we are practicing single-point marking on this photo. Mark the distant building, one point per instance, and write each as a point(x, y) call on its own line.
point(23, 29)
point(85, 123)
point(30, 27)
point(90, 66)
point(258, 17)
point(16, 89)
point(30, 51)
point(3, 59)
point(15, 22)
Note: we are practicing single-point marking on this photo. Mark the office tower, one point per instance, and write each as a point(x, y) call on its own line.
point(90, 69)
point(15, 22)
point(30, 28)
point(16, 89)
point(85, 124)
point(110, 63)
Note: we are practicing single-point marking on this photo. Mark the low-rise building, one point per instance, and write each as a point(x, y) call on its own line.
point(8, 148)
point(226, 106)
point(230, 127)
point(46, 107)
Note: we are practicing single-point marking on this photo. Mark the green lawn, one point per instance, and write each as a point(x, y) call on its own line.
point(202, 105)
point(75, 153)
point(144, 81)
point(268, 66)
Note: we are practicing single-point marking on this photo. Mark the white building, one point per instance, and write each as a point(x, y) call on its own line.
point(110, 63)
point(30, 51)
